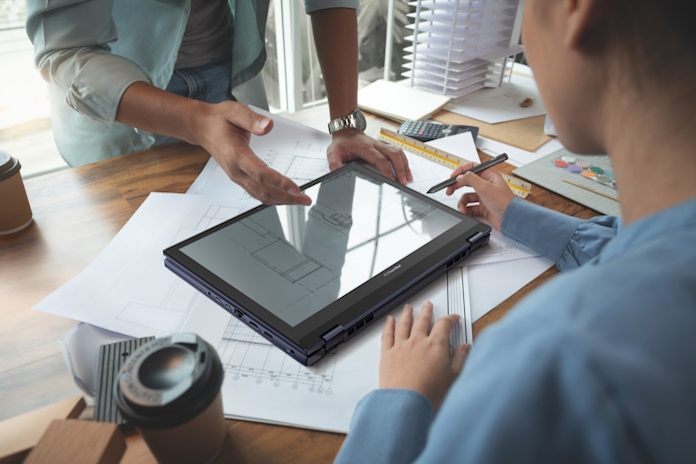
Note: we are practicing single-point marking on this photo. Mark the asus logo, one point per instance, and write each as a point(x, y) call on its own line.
point(392, 270)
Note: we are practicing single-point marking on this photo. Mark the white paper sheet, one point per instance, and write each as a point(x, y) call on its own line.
point(517, 156)
point(261, 382)
point(126, 288)
point(295, 150)
point(500, 104)
point(264, 384)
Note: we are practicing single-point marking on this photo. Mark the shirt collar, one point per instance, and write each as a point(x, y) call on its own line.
point(658, 226)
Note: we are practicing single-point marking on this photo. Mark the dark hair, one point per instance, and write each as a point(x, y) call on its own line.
point(660, 31)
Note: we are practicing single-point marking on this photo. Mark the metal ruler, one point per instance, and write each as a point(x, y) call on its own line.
point(518, 186)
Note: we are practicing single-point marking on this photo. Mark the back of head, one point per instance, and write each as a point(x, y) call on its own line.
point(659, 35)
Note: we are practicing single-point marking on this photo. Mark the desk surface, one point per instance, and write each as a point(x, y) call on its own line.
point(76, 213)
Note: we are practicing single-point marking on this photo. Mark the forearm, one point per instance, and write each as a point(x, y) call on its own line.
point(149, 108)
point(336, 38)
point(568, 241)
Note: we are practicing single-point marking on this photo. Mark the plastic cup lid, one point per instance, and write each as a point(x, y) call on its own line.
point(9, 165)
point(168, 381)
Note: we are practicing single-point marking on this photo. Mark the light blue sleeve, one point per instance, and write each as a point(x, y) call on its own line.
point(71, 51)
point(568, 241)
point(518, 399)
point(387, 426)
point(313, 5)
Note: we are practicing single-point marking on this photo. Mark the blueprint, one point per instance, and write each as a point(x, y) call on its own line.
point(127, 289)
point(263, 384)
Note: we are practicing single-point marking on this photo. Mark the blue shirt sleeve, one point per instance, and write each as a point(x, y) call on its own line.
point(388, 426)
point(530, 408)
point(568, 241)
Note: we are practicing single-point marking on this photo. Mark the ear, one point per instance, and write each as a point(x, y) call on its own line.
point(582, 23)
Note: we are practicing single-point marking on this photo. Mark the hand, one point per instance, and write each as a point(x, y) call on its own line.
point(418, 358)
point(224, 131)
point(349, 144)
point(492, 194)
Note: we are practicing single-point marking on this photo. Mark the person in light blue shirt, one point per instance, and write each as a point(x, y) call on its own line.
point(599, 364)
point(125, 75)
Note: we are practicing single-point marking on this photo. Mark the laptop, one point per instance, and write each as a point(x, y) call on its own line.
point(310, 278)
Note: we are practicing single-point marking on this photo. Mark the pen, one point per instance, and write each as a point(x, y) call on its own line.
point(476, 169)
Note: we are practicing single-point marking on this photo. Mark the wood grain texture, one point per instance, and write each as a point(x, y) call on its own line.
point(77, 212)
point(73, 441)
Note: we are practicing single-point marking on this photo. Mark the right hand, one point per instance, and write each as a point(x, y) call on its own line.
point(491, 192)
point(224, 130)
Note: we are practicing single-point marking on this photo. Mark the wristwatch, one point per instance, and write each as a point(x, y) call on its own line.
point(355, 120)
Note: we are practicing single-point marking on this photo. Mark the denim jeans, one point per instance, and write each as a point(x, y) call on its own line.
point(209, 83)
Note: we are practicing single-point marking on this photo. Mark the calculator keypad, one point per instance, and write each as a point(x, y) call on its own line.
point(421, 130)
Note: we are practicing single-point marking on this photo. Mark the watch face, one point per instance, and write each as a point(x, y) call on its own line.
point(360, 120)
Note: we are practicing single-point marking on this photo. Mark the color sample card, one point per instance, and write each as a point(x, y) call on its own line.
point(586, 179)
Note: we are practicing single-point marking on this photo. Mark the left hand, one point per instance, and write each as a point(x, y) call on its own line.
point(349, 144)
point(417, 358)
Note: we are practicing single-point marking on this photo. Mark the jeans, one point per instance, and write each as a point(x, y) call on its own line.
point(209, 83)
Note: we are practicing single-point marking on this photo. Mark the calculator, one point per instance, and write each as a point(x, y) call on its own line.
point(426, 130)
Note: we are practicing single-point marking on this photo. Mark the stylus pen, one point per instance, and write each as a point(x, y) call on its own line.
point(476, 169)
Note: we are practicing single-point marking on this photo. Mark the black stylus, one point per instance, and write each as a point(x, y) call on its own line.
point(476, 169)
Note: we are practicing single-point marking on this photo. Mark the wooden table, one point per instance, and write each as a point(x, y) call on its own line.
point(76, 213)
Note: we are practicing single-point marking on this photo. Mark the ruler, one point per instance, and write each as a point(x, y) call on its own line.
point(518, 186)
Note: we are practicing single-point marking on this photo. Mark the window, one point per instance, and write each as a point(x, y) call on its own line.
point(25, 125)
point(291, 52)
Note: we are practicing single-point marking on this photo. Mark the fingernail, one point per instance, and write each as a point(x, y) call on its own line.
point(467, 347)
point(294, 191)
point(403, 180)
point(262, 124)
point(457, 317)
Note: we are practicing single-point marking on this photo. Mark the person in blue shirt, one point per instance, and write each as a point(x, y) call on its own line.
point(126, 75)
point(599, 364)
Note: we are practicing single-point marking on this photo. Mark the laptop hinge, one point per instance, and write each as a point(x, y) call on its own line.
point(333, 337)
point(475, 238)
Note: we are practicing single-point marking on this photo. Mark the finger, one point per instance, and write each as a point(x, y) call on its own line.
point(464, 167)
point(403, 326)
point(378, 159)
point(472, 210)
point(459, 356)
point(255, 168)
point(469, 197)
point(466, 200)
point(398, 160)
point(443, 327)
point(335, 159)
point(494, 177)
point(472, 180)
point(274, 196)
point(246, 118)
point(388, 334)
point(456, 186)
point(421, 326)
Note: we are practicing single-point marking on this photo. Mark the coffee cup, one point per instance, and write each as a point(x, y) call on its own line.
point(15, 212)
point(169, 389)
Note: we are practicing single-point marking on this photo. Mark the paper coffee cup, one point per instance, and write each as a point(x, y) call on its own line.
point(170, 390)
point(15, 212)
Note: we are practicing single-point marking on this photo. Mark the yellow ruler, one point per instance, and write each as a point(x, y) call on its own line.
point(518, 186)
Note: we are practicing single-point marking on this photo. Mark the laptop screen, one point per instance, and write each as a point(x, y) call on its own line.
point(296, 260)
